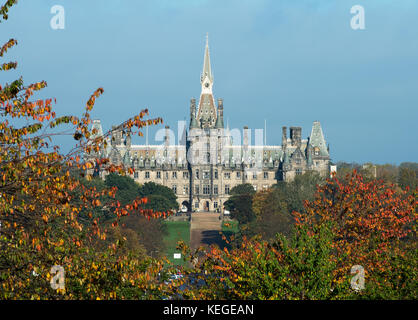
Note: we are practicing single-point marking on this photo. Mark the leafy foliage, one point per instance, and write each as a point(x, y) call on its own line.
point(273, 215)
point(350, 222)
point(370, 221)
point(4, 9)
point(240, 203)
point(274, 207)
point(47, 212)
point(161, 198)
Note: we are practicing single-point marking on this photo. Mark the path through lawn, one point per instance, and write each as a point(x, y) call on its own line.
point(205, 228)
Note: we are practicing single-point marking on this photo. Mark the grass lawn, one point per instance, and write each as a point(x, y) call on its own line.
point(177, 230)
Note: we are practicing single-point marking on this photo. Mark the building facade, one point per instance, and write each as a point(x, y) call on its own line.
point(211, 159)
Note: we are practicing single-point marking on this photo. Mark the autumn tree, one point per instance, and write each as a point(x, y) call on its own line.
point(273, 207)
point(349, 222)
point(371, 220)
point(41, 199)
point(407, 177)
point(295, 268)
point(272, 214)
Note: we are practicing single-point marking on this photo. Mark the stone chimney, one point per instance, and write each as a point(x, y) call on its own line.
point(220, 116)
point(193, 122)
point(296, 136)
point(284, 138)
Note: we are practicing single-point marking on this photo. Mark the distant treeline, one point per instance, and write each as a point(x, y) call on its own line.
point(404, 175)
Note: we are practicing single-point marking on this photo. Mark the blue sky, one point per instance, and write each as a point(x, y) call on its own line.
point(290, 62)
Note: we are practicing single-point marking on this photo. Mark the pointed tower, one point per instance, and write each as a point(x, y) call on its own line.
point(207, 113)
point(317, 150)
point(317, 142)
point(206, 78)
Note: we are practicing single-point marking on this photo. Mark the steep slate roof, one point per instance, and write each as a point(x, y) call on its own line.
point(317, 139)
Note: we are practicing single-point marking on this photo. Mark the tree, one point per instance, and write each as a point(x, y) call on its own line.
point(349, 222)
point(40, 227)
point(240, 203)
point(370, 220)
point(296, 268)
point(127, 188)
point(407, 178)
point(161, 198)
point(259, 201)
point(240, 207)
point(345, 168)
point(274, 207)
point(387, 172)
point(242, 189)
point(302, 188)
point(272, 214)
point(135, 228)
point(144, 234)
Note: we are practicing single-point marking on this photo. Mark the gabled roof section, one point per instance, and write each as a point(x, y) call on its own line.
point(317, 139)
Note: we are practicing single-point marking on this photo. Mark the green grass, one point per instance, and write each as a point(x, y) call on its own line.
point(177, 230)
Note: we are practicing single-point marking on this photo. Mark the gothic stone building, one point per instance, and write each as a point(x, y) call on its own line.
point(208, 164)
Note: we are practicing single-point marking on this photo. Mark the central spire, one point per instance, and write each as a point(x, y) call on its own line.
point(207, 113)
point(206, 78)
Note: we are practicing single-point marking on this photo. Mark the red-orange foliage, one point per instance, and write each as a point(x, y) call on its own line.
point(369, 219)
point(41, 198)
